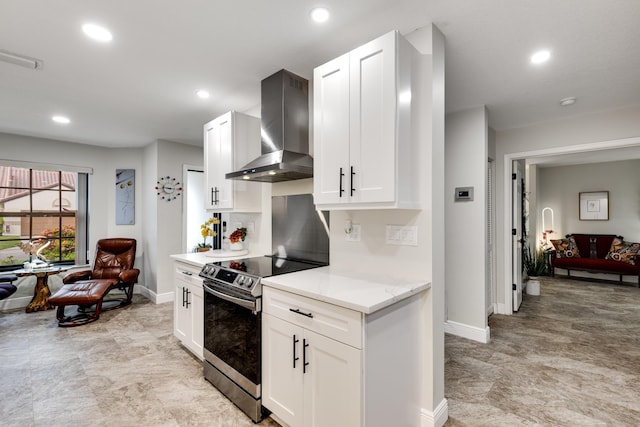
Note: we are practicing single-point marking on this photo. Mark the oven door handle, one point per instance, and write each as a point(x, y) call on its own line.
point(241, 302)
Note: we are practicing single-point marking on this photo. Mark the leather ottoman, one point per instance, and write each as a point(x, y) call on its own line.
point(84, 294)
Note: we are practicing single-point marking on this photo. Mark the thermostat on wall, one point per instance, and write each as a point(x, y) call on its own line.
point(464, 194)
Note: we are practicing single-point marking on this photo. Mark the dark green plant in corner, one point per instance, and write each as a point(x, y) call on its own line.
point(533, 264)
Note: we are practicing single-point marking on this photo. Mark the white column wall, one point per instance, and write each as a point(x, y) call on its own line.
point(168, 231)
point(466, 156)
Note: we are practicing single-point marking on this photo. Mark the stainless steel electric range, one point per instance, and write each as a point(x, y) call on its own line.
point(232, 325)
point(233, 298)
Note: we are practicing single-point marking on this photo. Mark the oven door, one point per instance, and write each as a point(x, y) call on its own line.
point(232, 330)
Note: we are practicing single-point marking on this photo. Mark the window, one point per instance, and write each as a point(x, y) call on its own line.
point(42, 215)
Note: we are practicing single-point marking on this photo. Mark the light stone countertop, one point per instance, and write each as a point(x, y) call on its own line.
point(199, 259)
point(363, 294)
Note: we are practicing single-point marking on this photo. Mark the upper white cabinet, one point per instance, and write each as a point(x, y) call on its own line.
point(364, 148)
point(231, 141)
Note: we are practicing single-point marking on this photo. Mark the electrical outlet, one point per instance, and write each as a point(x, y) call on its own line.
point(405, 235)
point(354, 236)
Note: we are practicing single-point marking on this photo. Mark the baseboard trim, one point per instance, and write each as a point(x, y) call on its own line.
point(437, 418)
point(14, 303)
point(501, 308)
point(22, 302)
point(152, 296)
point(466, 331)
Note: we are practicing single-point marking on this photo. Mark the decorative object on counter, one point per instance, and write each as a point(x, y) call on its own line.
point(168, 188)
point(236, 238)
point(125, 196)
point(206, 230)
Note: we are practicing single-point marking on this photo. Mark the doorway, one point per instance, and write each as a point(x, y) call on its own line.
point(193, 207)
point(620, 149)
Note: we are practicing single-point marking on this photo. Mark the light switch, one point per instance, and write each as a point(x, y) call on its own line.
point(406, 235)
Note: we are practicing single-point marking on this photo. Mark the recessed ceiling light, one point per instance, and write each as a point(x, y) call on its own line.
point(540, 57)
point(320, 14)
point(97, 32)
point(61, 119)
point(565, 102)
point(202, 94)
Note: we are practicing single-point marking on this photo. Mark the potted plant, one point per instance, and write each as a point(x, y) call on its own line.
point(236, 238)
point(206, 230)
point(535, 266)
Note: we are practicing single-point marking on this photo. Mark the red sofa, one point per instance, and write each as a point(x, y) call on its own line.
point(593, 249)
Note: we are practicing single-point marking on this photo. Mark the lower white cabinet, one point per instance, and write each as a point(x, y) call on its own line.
point(309, 379)
point(188, 319)
point(324, 365)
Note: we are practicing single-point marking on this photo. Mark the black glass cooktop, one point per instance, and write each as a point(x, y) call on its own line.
point(268, 266)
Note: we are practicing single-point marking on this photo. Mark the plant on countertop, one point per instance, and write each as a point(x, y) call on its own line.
point(238, 234)
point(206, 230)
point(534, 265)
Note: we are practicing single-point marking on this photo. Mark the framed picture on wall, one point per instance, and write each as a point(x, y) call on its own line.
point(594, 206)
point(125, 196)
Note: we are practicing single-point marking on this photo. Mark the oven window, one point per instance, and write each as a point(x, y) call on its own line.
point(232, 333)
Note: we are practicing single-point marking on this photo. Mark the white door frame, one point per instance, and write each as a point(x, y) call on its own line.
point(508, 199)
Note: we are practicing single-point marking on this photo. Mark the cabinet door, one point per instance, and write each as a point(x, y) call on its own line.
point(332, 382)
point(372, 140)
point(331, 131)
point(196, 317)
point(181, 321)
point(281, 381)
point(218, 151)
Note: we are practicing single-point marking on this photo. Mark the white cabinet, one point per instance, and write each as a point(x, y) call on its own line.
point(231, 141)
point(189, 308)
point(364, 148)
point(310, 379)
point(328, 365)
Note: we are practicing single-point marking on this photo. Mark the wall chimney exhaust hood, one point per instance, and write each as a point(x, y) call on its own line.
point(284, 132)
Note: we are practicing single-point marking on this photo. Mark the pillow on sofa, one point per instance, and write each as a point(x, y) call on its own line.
point(566, 248)
point(623, 251)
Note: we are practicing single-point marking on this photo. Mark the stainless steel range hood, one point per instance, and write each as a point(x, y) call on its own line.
point(284, 132)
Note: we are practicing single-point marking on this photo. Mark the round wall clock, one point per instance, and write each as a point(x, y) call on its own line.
point(168, 188)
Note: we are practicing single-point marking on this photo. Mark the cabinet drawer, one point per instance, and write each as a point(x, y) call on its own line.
point(338, 323)
point(187, 274)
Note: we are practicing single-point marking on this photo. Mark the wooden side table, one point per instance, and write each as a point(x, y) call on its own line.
point(41, 292)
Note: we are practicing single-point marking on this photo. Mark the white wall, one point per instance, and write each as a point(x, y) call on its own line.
point(104, 163)
point(586, 129)
point(168, 233)
point(466, 155)
point(559, 188)
point(158, 224)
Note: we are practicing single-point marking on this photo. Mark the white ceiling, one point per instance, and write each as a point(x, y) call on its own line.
point(141, 87)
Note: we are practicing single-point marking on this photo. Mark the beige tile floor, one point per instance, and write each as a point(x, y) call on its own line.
point(126, 369)
point(570, 357)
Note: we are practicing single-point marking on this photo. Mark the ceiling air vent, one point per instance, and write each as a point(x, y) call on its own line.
point(21, 60)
